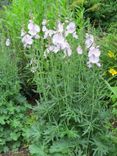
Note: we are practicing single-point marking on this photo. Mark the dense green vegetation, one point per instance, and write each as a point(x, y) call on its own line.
point(63, 101)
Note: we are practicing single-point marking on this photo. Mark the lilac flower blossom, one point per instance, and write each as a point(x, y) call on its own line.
point(94, 56)
point(27, 40)
point(33, 28)
point(71, 27)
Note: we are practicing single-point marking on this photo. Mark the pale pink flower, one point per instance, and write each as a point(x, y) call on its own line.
point(93, 59)
point(94, 51)
point(94, 54)
point(27, 40)
point(58, 39)
point(33, 28)
point(71, 27)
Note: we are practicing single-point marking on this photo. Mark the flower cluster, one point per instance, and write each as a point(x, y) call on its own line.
point(56, 40)
point(112, 71)
point(93, 51)
point(58, 37)
point(27, 38)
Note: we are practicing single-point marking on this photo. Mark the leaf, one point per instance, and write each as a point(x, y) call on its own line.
point(61, 146)
point(94, 8)
point(37, 150)
point(114, 91)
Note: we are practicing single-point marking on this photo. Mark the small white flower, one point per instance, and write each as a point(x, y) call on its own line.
point(8, 42)
point(44, 29)
point(71, 27)
point(79, 50)
point(51, 32)
point(44, 22)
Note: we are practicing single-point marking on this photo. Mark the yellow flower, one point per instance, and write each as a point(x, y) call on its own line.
point(111, 54)
point(112, 71)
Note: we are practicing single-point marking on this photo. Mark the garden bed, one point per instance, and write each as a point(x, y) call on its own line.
point(58, 78)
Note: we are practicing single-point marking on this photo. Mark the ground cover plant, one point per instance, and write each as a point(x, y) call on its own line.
point(13, 106)
point(58, 78)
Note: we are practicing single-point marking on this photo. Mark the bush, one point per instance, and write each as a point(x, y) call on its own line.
point(13, 106)
point(101, 13)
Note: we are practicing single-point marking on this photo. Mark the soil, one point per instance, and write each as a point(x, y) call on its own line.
point(20, 153)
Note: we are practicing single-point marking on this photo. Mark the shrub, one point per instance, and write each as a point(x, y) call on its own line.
point(13, 106)
point(101, 13)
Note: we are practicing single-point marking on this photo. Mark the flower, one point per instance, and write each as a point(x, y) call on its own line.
point(93, 55)
point(111, 54)
point(27, 40)
point(67, 50)
point(44, 22)
point(8, 42)
point(79, 50)
point(75, 35)
point(60, 27)
point(94, 51)
point(33, 28)
point(112, 71)
point(44, 29)
point(89, 40)
point(71, 27)
point(58, 39)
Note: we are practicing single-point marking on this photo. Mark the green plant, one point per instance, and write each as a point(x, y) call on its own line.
point(72, 115)
point(101, 13)
point(13, 106)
